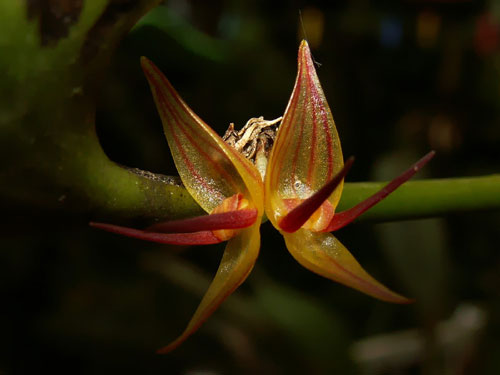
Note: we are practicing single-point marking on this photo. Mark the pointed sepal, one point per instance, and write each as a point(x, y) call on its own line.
point(307, 153)
point(323, 254)
point(238, 260)
point(210, 169)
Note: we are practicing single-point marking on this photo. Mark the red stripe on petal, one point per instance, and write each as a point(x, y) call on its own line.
point(181, 124)
point(188, 111)
point(194, 140)
point(318, 99)
point(286, 128)
point(315, 101)
point(297, 151)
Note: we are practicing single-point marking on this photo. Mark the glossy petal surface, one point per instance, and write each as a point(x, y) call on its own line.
point(313, 206)
point(237, 262)
point(323, 254)
point(307, 153)
point(210, 169)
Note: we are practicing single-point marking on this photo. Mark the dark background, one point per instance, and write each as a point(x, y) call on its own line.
point(401, 77)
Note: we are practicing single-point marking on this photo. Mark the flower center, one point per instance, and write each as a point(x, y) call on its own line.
point(255, 140)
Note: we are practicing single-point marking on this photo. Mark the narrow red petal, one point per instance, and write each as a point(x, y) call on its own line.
point(227, 220)
point(294, 220)
point(343, 218)
point(196, 238)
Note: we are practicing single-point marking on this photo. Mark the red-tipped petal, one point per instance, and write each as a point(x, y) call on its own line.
point(294, 220)
point(323, 254)
point(307, 152)
point(236, 264)
point(343, 218)
point(187, 239)
point(227, 220)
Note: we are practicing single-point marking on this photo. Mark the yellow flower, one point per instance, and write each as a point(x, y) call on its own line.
point(299, 192)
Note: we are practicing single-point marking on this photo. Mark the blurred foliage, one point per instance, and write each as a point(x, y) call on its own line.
point(401, 77)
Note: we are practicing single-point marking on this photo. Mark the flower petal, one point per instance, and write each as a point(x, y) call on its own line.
point(306, 153)
point(323, 254)
point(226, 220)
point(300, 214)
point(210, 169)
point(237, 262)
point(341, 219)
point(196, 238)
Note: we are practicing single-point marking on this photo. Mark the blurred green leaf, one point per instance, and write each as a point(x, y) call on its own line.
point(313, 328)
point(193, 40)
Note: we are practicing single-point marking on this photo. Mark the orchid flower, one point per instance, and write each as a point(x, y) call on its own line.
point(298, 192)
